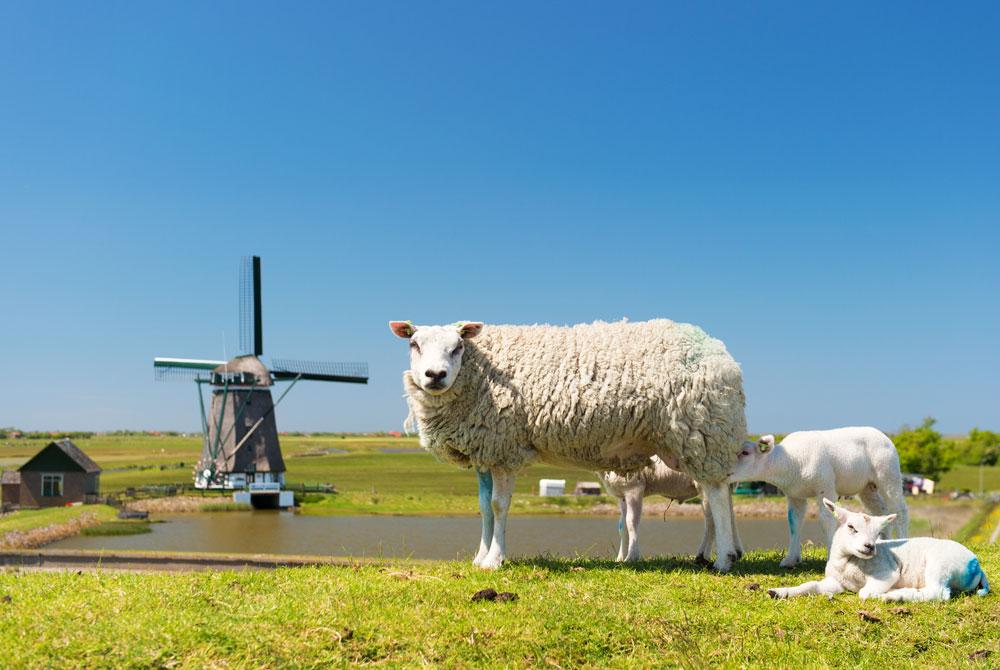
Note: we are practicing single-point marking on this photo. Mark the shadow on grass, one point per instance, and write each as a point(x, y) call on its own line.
point(753, 563)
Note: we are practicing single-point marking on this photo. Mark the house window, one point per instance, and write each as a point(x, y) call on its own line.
point(52, 486)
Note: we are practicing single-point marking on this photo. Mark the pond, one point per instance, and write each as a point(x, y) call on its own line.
point(432, 537)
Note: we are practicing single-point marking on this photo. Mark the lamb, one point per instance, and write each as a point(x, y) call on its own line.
point(827, 463)
point(654, 479)
point(601, 396)
point(918, 569)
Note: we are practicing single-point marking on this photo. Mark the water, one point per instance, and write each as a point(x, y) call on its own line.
point(420, 537)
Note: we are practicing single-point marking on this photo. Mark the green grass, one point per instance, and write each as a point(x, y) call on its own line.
point(665, 613)
point(24, 520)
point(118, 528)
point(226, 507)
point(967, 477)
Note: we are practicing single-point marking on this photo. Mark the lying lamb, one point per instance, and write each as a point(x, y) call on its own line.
point(654, 479)
point(827, 463)
point(601, 396)
point(921, 568)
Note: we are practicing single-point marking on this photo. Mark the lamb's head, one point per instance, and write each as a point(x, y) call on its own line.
point(857, 534)
point(436, 352)
point(752, 460)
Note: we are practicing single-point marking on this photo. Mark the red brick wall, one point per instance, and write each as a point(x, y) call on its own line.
point(31, 490)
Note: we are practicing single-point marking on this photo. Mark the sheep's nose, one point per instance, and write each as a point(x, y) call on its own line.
point(869, 546)
point(436, 374)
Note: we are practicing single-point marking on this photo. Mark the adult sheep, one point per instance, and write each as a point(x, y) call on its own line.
point(601, 396)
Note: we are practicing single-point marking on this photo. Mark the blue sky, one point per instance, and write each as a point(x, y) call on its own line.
point(816, 185)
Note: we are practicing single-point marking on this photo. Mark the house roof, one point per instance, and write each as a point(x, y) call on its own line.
point(44, 458)
point(10, 477)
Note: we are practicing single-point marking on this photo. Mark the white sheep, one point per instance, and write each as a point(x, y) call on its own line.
point(920, 568)
point(602, 396)
point(827, 463)
point(655, 479)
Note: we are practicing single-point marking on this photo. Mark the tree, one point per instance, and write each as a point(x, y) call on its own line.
point(983, 447)
point(922, 451)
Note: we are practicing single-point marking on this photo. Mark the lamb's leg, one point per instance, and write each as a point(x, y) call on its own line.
point(633, 509)
point(721, 502)
point(796, 516)
point(486, 512)
point(893, 494)
point(503, 489)
point(935, 586)
point(824, 587)
point(826, 519)
point(875, 504)
point(622, 533)
point(704, 554)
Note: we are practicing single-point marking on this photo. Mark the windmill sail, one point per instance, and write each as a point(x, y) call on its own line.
point(251, 321)
point(283, 368)
point(177, 369)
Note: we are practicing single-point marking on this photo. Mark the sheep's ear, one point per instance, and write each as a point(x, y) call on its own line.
point(403, 329)
point(886, 520)
point(837, 511)
point(765, 443)
point(469, 329)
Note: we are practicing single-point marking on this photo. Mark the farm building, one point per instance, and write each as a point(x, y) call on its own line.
point(57, 475)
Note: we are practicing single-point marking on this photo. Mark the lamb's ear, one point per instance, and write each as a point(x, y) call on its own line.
point(765, 443)
point(886, 520)
point(469, 329)
point(403, 329)
point(836, 510)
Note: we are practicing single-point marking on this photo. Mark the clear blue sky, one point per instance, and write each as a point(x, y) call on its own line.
point(818, 185)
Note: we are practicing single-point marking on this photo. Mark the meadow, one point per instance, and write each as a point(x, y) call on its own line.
point(584, 613)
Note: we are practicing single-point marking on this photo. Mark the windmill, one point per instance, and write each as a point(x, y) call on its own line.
point(241, 448)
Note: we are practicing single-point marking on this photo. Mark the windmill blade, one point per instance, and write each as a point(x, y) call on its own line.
point(286, 369)
point(251, 323)
point(184, 369)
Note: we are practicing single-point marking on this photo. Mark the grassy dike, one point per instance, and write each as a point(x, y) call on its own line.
point(666, 613)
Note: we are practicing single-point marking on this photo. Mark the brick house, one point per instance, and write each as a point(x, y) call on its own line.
point(57, 475)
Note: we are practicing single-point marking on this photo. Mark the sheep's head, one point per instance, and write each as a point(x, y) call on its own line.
point(752, 459)
point(436, 352)
point(856, 533)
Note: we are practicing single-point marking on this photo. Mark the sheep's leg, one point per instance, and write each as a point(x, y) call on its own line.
point(796, 516)
point(622, 533)
point(486, 512)
point(721, 502)
point(737, 542)
point(704, 554)
point(824, 587)
point(633, 509)
point(503, 489)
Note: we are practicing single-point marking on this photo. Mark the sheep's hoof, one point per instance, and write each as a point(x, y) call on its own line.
point(788, 565)
point(701, 560)
point(739, 554)
point(491, 562)
point(774, 593)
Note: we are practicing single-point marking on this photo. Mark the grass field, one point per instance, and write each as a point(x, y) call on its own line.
point(568, 614)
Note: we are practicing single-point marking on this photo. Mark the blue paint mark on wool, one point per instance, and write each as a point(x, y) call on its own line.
point(485, 494)
point(621, 524)
point(791, 522)
point(972, 575)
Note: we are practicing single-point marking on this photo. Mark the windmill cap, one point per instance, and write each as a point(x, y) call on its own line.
point(248, 364)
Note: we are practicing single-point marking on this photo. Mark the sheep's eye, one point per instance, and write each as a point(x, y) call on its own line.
point(414, 346)
point(746, 453)
point(457, 350)
point(851, 528)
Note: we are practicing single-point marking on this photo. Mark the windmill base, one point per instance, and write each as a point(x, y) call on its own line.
point(265, 499)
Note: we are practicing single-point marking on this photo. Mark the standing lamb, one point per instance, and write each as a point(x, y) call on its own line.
point(654, 479)
point(922, 568)
point(601, 396)
point(827, 463)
